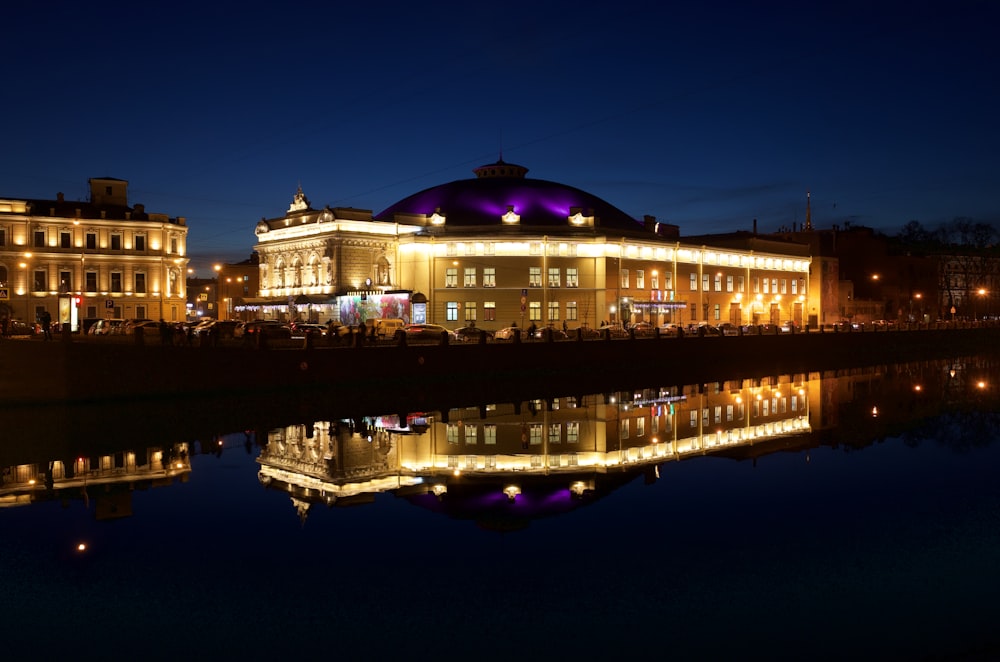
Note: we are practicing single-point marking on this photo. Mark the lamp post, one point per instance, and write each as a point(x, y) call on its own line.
point(26, 266)
point(981, 292)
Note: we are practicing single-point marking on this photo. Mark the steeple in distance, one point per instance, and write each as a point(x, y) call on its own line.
point(809, 224)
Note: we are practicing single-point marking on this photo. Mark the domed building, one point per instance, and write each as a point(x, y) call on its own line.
point(501, 249)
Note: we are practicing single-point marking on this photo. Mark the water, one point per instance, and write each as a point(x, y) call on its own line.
point(872, 537)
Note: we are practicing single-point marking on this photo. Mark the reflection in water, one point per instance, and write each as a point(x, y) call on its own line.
point(504, 464)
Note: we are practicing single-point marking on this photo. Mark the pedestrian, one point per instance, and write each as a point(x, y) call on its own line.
point(46, 319)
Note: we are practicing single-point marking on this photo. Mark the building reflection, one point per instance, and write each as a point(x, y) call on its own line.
point(104, 481)
point(504, 464)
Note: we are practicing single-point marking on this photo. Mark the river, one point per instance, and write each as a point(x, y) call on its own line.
point(827, 515)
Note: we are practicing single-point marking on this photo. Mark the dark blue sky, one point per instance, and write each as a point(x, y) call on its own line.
point(703, 114)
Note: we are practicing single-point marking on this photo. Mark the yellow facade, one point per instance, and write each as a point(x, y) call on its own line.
point(96, 259)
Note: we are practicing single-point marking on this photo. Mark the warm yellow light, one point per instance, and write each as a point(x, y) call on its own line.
point(217, 268)
point(439, 489)
point(511, 491)
point(917, 387)
point(874, 412)
point(81, 547)
point(981, 384)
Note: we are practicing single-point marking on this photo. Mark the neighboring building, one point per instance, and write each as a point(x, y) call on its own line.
point(87, 260)
point(504, 248)
point(238, 285)
point(202, 298)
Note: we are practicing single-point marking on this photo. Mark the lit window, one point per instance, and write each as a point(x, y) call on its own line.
point(452, 311)
point(471, 434)
point(534, 277)
point(451, 277)
point(729, 283)
point(470, 277)
point(572, 277)
point(571, 311)
point(654, 281)
point(470, 311)
point(555, 433)
point(624, 429)
point(535, 311)
point(489, 277)
point(554, 277)
point(640, 279)
point(490, 434)
point(624, 278)
point(553, 311)
point(452, 433)
point(536, 434)
point(490, 311)
point(572, 432)
point(694, 282)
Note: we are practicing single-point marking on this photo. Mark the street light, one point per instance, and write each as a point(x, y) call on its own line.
point(25, 265)
point(982, 293)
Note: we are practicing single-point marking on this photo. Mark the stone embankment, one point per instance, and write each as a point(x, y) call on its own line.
point(73, 370)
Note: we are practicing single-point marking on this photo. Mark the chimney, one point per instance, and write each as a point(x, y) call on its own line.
point(649, 222)
point(60, 197)
point(755, 227)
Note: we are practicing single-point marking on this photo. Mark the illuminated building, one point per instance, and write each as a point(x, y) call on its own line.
point(95, 259)
point(502, 248)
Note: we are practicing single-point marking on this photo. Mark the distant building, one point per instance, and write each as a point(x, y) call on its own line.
point(87, 260)
point(504, 248)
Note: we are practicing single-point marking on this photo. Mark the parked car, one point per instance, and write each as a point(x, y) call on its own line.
point(509, 332)
point(586, 332)
point(642, 329)
point(387, 327)
point(473, 334)
point(300, 329)
point(107, 326)
point(669, 329)
point(426, 332)
point(728, 329)
point(224, 328)
point(269, 329)
point(557, 334)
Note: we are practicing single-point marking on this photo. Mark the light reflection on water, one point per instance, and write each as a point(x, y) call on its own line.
point(791, 516)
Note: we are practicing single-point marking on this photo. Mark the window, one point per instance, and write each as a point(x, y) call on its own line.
point(91, 241)
point(741, 284)
point(572, 277)
point(65, 281)
point(767, 286)
point(116, 281)
point(471, 434)
point(640, 426)
point(694, 282)
point(116, 242)
point(640, 279)
point(490, 434)
point(489, 277)
point(774, 286)
point(173, 244)
point(452, 311)
point(729, 283)
point(756, 284)
point(39, 281)
point(3, 237)
point(536, 434)
point(470, 311)
point(573, 432)
point(571, 311)
point(705, 278)
point(3, 275)
point(452, 434)
point(795, 289)
point(140, 242)
point(555, 279)
point(490, 311)
point(470, 277)
point(784, 286)
point(535, 311)
point(140, 283)
point(39, 238)
point(451, 277)
point(654, 280)
point(624, 277)
point(91, 281)
point(718, 282)
point(555, 433)
point(553, 311)
point(140, 312)
point(623, 433)
point(65, 240)
point(534, 276)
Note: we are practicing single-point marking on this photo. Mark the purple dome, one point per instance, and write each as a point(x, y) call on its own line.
point(500, 186)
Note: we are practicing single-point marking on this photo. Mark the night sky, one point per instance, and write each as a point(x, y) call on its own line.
point(704, 114)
